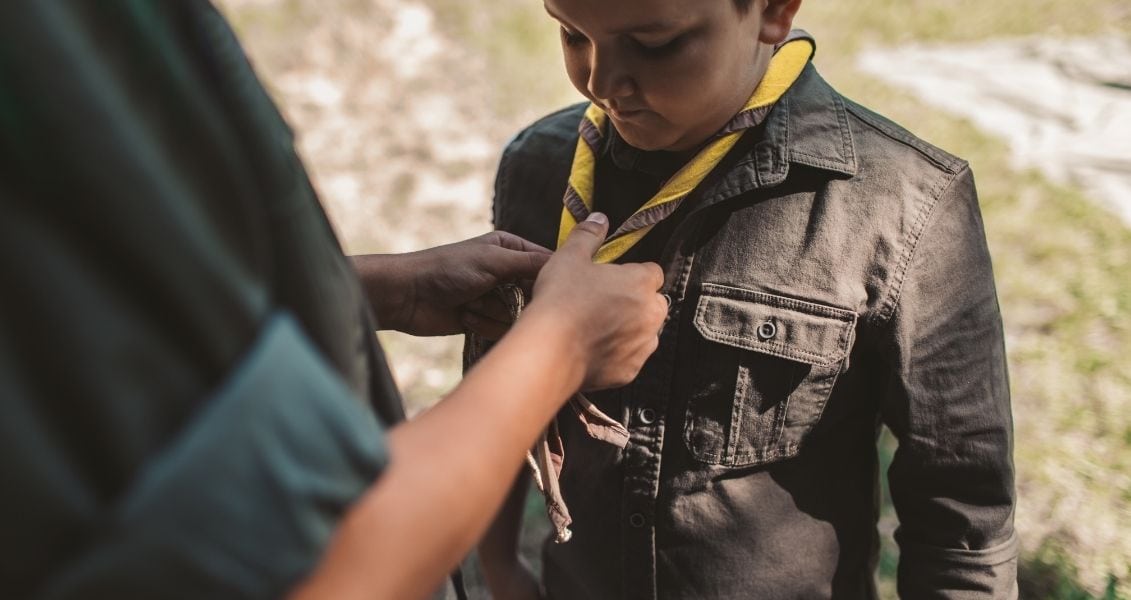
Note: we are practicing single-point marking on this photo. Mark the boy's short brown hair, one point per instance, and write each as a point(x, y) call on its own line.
point(743, 5)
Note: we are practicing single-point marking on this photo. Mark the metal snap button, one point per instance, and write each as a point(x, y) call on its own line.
point(647, 416)
point(767, 330)
point(637, 520)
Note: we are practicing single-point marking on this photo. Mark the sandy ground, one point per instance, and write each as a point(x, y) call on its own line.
point(1064, 106)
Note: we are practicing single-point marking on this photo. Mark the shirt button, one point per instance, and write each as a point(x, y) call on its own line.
point(637, 520)
point(767, 330)
point(647, 416)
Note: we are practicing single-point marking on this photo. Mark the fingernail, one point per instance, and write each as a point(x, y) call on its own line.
point(597, 217)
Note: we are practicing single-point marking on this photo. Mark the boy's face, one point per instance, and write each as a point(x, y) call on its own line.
point(669, 73)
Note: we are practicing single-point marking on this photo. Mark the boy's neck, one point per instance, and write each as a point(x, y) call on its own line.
point(657, 163)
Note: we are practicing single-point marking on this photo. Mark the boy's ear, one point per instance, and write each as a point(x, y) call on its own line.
point(777, 20)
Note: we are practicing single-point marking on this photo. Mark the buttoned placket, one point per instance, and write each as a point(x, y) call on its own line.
point(647, 401)
point(649, 398)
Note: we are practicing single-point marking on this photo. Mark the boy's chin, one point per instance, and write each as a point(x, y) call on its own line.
point(646, 140)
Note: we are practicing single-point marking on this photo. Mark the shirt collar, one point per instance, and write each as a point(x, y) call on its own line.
point(808, 126)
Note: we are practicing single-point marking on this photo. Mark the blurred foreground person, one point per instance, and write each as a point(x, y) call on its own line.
point(195, 404)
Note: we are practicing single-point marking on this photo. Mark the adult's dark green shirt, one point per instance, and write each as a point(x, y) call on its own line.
point(187, 366)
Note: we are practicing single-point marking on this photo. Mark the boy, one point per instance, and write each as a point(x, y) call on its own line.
point(827, 271)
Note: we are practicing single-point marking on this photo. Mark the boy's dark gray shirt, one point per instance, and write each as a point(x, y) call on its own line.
point(832, 275)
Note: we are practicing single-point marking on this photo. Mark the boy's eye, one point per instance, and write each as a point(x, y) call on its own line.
point(661, 49)
point(572, 39)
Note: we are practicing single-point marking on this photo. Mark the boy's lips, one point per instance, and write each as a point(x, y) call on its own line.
point(622, 114)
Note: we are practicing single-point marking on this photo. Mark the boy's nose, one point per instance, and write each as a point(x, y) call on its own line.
point(607, 79)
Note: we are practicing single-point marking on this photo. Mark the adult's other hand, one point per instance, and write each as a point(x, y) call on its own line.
point(445, 290)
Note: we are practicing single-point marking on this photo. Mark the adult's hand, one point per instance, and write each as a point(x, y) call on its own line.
point(614, 311)
point(444, 290)
point(587, 325)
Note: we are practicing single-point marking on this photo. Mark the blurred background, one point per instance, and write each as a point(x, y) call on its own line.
point(402, 109)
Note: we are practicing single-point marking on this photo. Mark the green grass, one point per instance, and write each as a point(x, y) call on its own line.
point(1051, 573)
point(843, 28)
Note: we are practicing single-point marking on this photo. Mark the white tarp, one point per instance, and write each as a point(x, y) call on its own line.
point(1064, 106)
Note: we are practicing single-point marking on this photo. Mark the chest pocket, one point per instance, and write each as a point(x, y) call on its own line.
point(766, 366)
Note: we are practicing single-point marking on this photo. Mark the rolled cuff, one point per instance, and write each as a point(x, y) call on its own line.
point(930, 572)
point(243, 502)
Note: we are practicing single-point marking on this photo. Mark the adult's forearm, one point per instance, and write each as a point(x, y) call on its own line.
point(436, 499)
point(386, 285)
point(507, 576)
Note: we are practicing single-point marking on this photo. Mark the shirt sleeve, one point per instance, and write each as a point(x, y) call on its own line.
point(243, 501)
point(952, 477)
point(172, 426)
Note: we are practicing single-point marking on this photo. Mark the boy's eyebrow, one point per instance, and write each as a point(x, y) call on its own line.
point(649, 27)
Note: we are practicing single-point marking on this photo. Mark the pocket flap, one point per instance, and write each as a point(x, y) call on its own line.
point(776, 325)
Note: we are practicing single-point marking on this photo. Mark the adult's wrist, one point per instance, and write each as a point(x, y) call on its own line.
point(540, 329)
point(389, 287)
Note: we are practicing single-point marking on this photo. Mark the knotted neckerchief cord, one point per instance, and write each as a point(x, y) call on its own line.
point(789, 60)
point(547, 456)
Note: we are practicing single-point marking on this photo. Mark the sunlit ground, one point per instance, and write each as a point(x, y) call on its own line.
point(403, 107)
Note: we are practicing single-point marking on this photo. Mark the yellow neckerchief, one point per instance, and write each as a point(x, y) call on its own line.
point(788, 61)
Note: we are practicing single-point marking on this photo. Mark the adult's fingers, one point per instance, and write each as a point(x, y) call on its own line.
point(511, 241)
point(587, 236)
point(513, 265)
point(654, 275)
point(649, 275)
